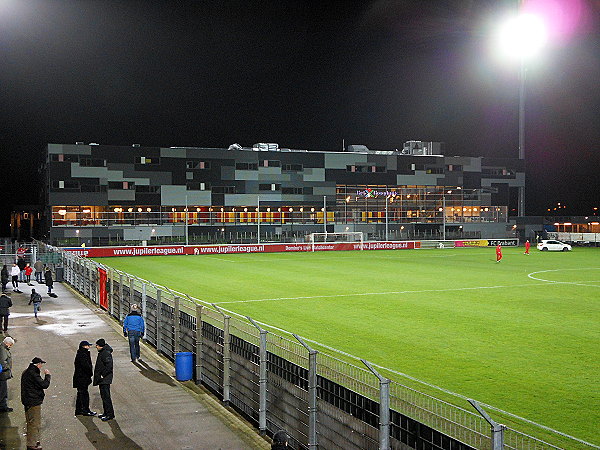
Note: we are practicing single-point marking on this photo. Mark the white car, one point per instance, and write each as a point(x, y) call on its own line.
point(552, 245)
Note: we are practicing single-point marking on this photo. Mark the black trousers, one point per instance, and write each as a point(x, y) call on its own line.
point(82, 403)
point(106, 401)
point(3, 394)
point(4, 319)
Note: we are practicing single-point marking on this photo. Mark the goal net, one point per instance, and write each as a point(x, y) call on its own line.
point(343, 237)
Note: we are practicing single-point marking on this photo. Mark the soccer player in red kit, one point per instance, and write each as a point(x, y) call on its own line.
point(527, 245)
point(498, 253)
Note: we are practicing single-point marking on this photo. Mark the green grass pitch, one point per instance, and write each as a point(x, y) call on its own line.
point(522, 335)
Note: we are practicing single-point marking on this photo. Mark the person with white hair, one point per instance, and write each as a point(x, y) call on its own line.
point(6, 374)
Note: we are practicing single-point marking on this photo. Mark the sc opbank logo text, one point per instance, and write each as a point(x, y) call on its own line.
point(372, 193)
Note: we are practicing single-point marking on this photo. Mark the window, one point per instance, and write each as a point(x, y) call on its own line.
point(454, 168)
point(223, 189)
point(147, 160)
point(147, 189)
point(93, 188)
point(198, 186)
point(293, 167)
point(269, 187)
point(497, 171)
point(197, 165)
point(125, 185)
point(70, 185)
point(292, 190)
point(365, 169)
point(271, 163)
point(63, 158)
point(92, 162)
point(246, 166)
point(417, 167)
point(436, 170)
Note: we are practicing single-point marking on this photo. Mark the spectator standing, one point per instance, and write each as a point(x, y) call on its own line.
point(82, 378)
point(32, 397)
point(38, 267)
point(103, 376)
point(14, 273)
point(21, 264)
point(6, 374)
point(4, 277)
point(48, 280)
point(28, 272)
point(36, 299)
point(133, 328)
point(5, 304)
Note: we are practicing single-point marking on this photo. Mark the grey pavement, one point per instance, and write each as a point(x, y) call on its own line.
point(153, 410)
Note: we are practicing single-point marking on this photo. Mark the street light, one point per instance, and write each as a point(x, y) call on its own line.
point(521, 37)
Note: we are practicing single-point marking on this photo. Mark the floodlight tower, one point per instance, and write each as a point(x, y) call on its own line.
point(521, 37)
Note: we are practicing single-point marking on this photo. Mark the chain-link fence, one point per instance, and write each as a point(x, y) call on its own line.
point(277, 381)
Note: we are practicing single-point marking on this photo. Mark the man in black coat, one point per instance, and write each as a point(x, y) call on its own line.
point(48, 280)
point(5, 304)
point(82, 378)
point(32, 397)
point(103, 376)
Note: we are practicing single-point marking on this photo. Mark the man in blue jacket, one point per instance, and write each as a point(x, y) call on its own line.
point(133, 327)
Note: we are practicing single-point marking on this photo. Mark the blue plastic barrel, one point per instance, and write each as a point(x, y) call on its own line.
point(184, 365)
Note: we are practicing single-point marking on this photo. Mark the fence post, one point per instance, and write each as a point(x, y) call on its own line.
point(312, 394)
point(496, 428)
point(176, 327)
point(131, 293)
point(226, 355)
point(198, 344)
point(158, 320)
point(121, 297)
point(143, 305)
point(262, 385)
point(89, 277)
point(384, 408)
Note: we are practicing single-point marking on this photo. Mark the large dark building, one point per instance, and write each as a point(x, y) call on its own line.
point(99, 194)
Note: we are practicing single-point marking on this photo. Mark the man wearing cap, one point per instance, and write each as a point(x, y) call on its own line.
point(82, 378)
point(103, 375)
point(32, 397)
point(6, 374)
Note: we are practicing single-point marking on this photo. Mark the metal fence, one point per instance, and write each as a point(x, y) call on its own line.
point(278, 381)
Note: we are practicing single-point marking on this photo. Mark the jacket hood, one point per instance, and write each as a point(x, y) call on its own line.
point(106, 348)
point(134, 313)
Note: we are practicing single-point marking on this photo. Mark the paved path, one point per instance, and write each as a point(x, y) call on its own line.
point(153, 410)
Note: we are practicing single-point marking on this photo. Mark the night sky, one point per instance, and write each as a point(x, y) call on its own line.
point(303, 74)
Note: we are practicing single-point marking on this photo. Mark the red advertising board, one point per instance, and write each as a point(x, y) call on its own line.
point(99, 252)
point(103, 294)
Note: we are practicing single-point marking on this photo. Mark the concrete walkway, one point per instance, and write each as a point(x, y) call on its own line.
point(153, 410)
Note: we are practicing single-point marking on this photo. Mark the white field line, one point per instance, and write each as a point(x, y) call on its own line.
point(575, 283)
point(379, 293)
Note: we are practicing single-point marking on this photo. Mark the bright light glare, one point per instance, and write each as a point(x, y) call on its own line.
point(522, 36)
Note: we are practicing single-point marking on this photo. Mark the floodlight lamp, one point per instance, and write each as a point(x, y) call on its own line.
point(522, 36)
point(149, 209)
point(130, 210)
point(139, 209)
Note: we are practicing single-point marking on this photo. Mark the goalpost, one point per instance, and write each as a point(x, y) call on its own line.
point(348, 237)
